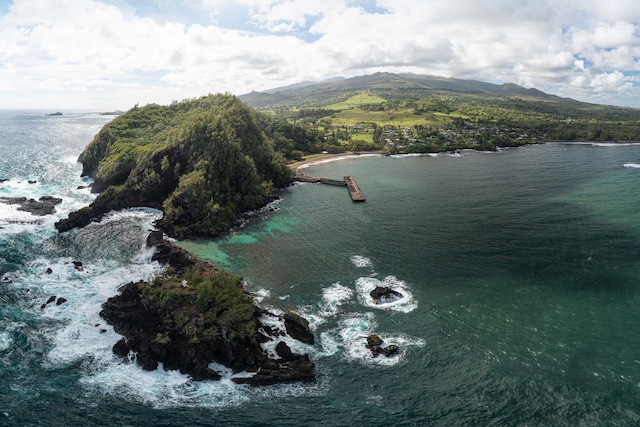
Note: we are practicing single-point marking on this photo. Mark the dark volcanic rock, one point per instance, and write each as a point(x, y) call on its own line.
point(146, 334)
point(61, 300)
point(377, 347)
point(46, 205)
point(169, 254)
point(76, 219)
point(298, 327)
point(51, 299)
point(384, 295)
point(150, 330)
point(121, 348)
point(373, 341)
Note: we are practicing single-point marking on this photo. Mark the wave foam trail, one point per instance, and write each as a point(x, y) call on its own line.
point(5, 341)
point(333, 297)
point(353, 335)
point(610, 144)
point(405, 304)
point(361, 261)
point(164, 389)
point(632, 165)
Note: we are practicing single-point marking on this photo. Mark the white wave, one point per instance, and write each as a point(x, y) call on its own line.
point(145, 214)
point(361, 261)
point(6, 340)
point(364, 285)
point(632, 165)
point(164, 389)
point(276, 323)
point(332, 298)
point(14, 221)
point(260, 295)
point(85, 333)
point(353, 335)
point(402, 156)
point(612, 144)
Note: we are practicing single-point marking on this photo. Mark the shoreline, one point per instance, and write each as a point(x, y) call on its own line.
point(326, 158)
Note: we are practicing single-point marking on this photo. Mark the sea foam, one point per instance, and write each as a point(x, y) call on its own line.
point(5, 340)
point(361, 261)
point(353, 332)
point(405, 304)
point(333, 298)
point(632, 165)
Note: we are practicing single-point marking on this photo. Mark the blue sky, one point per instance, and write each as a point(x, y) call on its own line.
point(112, 54)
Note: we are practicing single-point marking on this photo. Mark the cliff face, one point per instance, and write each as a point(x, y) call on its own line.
point(203, 162)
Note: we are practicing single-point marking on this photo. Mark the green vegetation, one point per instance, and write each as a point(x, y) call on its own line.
point(202, 161)
point(204, 304)
point(359, 100)
point(413, 113)
point(205, 161)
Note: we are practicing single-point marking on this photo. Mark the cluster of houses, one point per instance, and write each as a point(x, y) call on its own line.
point(458, 134)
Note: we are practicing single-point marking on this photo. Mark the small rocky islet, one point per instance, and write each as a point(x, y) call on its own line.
point(196, 314)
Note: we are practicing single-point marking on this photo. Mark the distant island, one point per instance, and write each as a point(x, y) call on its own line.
point(58, 113)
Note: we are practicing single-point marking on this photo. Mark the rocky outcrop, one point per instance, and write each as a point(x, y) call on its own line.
point(384, 295)
point(51, 299)
point(378, 347)
point(298, 327)
point(185, 334)
point(168, 254)
point(45, 205)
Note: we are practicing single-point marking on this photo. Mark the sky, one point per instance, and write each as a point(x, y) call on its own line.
point(112, 54)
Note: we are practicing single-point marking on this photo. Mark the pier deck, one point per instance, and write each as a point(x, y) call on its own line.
point(349, 182)
point(354, 190)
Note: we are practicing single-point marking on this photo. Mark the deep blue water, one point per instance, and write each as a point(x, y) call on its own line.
point(520, 271)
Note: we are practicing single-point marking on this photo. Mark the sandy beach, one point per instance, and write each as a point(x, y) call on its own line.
point(326, 158)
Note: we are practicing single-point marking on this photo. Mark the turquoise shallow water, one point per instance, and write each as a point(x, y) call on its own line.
point(520, 271)
point(523, 266)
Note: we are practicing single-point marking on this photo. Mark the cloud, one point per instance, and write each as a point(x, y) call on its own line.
point(116, 53)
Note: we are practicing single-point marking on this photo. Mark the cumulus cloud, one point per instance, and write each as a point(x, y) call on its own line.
point(89, 53)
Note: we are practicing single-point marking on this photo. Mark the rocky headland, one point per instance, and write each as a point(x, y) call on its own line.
point(196, 315)
point(203, 162)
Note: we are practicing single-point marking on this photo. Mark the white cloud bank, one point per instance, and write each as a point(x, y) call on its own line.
point(91, 54)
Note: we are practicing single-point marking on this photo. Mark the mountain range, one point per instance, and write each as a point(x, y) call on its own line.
point(385, 85)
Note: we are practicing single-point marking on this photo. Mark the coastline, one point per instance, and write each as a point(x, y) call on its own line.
point(326, 158)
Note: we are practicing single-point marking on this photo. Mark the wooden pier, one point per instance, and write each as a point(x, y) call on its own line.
point(354, 190)
point(349, 182)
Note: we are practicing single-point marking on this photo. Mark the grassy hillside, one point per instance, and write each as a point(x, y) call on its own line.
point(485, 114)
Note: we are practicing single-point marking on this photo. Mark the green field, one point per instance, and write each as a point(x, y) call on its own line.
point(364, 136)
point(356, 101)
point(401, 117)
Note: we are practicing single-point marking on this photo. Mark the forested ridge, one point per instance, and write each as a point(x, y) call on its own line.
point(202, 161)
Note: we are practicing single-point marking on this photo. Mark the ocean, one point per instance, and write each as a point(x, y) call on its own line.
point(519, 273)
